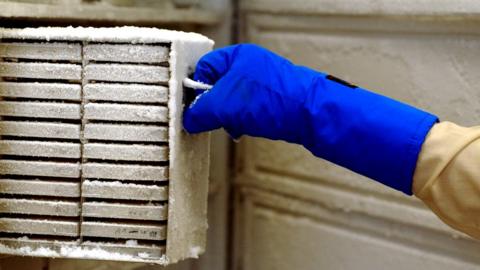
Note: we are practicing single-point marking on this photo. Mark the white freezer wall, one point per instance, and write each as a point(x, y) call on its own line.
point(294, 211)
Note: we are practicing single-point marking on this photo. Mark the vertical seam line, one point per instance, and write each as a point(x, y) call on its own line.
point(83, 141)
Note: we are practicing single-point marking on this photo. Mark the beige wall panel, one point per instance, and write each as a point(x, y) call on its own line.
point(295, 211)
point(283, 233)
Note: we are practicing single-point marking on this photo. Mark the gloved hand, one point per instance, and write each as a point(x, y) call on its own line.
point(259, 93)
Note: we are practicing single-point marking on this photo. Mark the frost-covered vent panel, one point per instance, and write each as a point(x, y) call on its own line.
point(85, 150)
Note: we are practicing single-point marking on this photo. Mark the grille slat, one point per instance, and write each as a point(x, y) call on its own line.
point(126, 92)
point(126, 112)
point(118, 190)
point(40, 110)
point(40, 129)
point(124, 211)
point(126, 53)
point(47, 91)
point(123, 231)
point(39, 188)
point(45, 71)
point(130, 133)
point(38, 226)
point(39, 168)
point(127, 73)
point(125, 172)
point(41, 51)
point(39, 207)
point(40, 149)
point(125, 152)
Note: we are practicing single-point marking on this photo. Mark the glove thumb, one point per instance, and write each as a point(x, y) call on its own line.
point(201, 115)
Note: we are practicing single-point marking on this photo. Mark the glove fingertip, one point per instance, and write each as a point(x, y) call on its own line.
point(189, 124)
point(200, 117)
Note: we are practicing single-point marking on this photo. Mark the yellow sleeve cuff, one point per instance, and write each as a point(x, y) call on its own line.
point(447, 176)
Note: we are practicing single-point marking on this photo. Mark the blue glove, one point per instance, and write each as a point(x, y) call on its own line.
point(261, 94)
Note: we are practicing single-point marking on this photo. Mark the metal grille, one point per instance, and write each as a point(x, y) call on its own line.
point(84, 146)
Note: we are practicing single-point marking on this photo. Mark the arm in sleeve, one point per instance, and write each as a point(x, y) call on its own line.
point(447, 176)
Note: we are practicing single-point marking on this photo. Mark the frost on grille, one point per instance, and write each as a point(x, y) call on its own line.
point(94, 163)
